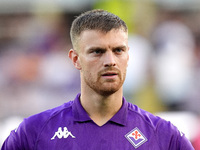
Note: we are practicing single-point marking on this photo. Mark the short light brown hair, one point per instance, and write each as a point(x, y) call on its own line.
point(97, 19)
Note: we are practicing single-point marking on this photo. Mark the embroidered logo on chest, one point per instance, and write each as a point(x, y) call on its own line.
point(136, 137)
point(62, 133)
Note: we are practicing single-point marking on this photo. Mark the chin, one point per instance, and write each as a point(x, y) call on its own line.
point(107, 91)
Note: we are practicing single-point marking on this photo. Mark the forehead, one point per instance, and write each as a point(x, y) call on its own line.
point(95, 38)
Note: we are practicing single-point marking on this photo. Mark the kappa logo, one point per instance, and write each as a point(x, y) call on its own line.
point(62, 133)
point(136, 138)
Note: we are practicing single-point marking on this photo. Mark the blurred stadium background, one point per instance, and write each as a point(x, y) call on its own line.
point(163, 74)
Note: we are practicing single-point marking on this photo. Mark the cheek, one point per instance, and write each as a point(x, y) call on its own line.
point(124, 63)
point(88, 69)
point(123, 66)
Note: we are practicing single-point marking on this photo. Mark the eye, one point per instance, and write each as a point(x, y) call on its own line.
point(98, 51)
point(118, 50)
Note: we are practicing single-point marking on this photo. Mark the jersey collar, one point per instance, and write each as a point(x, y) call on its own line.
point(80, 115)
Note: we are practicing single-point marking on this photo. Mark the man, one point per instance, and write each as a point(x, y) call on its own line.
point(99, 118)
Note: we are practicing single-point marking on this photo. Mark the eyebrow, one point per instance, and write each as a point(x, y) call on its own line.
point(103, 48)
point(96, 48)
point(121, 47)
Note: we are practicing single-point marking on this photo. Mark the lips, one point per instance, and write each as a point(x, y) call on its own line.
point(109, 74)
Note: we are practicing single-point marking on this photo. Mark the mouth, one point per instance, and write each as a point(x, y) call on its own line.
point(109, 74)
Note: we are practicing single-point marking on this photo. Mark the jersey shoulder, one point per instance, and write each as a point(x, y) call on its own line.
point(32, 126)
point(28, 132)
point(42, 118)
point(144, 116)
point(164, 131)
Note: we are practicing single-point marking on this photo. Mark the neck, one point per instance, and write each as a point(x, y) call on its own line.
point(101, 108)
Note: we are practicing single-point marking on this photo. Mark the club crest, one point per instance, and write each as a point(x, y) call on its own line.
point(136, 137)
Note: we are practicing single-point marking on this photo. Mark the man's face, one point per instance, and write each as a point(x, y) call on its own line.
point(103, 59)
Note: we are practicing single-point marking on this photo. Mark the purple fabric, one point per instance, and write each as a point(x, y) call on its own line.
point(68, 127)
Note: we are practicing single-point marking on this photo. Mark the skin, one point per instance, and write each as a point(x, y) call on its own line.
point(102, 59)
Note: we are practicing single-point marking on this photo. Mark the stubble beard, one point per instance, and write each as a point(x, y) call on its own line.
point(105, 87)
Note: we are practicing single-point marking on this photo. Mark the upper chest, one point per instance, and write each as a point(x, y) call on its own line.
point(89, 136)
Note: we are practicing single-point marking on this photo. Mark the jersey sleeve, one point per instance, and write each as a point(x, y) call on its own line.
point(19, 139)
point(12, 142)
point(171, 138)
point(185, 144)
point(25, 137)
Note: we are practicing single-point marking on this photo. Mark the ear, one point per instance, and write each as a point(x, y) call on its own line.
point(73, 55)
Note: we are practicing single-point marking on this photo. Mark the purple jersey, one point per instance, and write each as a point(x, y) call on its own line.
point(68, 127)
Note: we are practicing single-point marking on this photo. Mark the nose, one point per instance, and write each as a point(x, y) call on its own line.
point(109, 59)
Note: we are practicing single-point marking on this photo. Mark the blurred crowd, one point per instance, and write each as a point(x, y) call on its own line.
point(163, 73)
